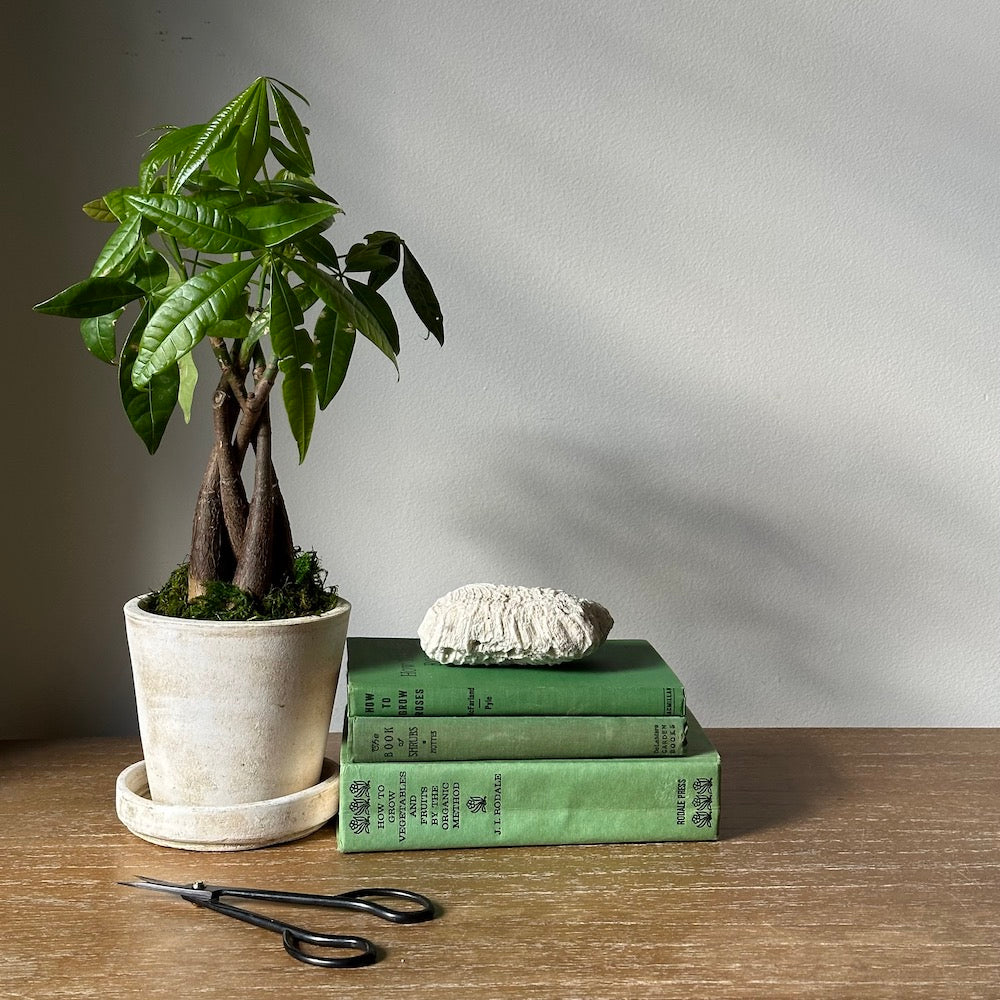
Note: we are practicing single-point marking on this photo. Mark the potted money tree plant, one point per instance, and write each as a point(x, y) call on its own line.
point(219, 245)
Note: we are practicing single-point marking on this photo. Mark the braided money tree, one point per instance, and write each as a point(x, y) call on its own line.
point(221, 240)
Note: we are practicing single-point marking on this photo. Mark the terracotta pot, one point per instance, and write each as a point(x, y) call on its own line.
point(233, 712)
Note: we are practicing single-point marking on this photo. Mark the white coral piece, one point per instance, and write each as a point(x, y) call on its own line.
point(488, 623)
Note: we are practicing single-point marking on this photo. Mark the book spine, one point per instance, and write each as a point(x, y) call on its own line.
point(371, 739)
point(394, 677)
point(392, 806)
point(401, 700)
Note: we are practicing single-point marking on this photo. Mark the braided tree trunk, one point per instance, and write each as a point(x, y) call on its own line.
point(236, 539)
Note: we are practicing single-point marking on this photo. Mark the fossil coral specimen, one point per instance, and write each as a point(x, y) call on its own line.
point(488, 623)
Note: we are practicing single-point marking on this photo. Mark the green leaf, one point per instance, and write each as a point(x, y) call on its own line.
point(286, 317)
point(274, 224)
point(230, 329)
point(291, 90)
point(362, 257)
point(288, 158)
point(306, 296)
point(98, 209)
point(379, 308)
point(222, 164)
point(115, 203)
point(160, 295)
point(186, 314)
point(317, 248)
point(334, 346)
point(298, 390)
point(188, 379)
point(388, 246)
point(292, 128)
point(202, 227)
point(91, 297)
point(122, 249)
point(351, 309)
point(421, 295)
point(216, 133)
point(173, 142)
point(227, 199)
point(98, 334)
point(382, 236)
point(151, 271)
point(258, 328)
point(302, 351)
point(148, 409)
point(298, 187)
point(253, 137)
point(240, 308)
point(379, 255)
point(205, 183)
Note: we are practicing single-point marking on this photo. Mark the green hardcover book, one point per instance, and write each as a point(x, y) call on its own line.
point(395, 806)
point(393, 677)
point(373, 738)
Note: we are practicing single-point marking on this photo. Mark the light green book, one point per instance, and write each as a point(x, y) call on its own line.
point(394, 677)
point(372, 738)
point(394, 806)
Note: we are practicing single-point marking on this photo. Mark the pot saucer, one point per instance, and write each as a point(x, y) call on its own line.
point(225, 828)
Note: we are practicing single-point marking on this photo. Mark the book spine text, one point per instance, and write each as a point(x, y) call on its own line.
point(372, 738)
point(411, 806)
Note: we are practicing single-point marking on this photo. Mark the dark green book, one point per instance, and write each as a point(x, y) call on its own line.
point(474, 737)
point(394, 677)
point(395, 806)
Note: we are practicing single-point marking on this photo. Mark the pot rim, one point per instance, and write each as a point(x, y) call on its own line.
point(133, 609)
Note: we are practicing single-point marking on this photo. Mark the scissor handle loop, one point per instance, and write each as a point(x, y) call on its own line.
point(364, 900)
point(294, 937)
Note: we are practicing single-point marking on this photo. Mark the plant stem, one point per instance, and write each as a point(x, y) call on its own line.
point(228, 369)
point(175, 252)
point(263, 383)
point(235, 507)
point(207, 560)
point(254, 569)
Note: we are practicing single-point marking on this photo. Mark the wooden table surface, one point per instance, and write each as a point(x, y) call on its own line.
point(852, 863)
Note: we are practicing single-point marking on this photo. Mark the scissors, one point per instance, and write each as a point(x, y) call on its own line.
point(293, 938)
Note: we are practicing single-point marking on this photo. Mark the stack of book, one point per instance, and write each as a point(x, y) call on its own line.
point(601, 750)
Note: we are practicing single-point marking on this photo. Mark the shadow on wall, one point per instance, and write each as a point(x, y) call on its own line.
point(779, 589)
point(77, 523)
point(677, 562)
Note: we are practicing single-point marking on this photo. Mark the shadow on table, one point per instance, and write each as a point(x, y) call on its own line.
point(772, 777)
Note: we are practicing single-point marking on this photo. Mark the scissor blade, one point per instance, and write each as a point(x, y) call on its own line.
point(197, 890)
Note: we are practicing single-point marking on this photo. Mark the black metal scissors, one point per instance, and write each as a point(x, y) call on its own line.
point(420, 908)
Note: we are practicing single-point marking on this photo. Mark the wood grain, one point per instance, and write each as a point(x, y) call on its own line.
point(853, 863)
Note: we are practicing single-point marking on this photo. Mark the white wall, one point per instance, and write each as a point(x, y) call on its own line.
point(721, 300)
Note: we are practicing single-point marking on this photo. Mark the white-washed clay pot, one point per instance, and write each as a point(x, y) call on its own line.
point(233, 712)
